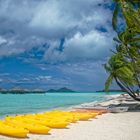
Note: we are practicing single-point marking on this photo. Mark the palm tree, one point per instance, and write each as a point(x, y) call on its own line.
point(122, 72)
point(124, 65)
point(129, 11)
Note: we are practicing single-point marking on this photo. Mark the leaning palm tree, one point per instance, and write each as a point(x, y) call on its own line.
point(122, 72)
point(124, 65)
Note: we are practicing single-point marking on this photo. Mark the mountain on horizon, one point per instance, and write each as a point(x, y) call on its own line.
point(64, 89)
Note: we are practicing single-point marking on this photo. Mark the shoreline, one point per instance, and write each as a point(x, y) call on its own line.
point(123, 126)
point(94, 103)
point(65, 108)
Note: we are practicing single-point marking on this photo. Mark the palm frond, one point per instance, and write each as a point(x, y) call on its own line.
point(108, 83)
point(115, 17)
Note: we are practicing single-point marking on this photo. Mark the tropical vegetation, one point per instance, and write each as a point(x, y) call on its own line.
point(124, 65)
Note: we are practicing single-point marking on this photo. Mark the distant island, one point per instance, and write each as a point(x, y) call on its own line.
point(111, 90)
point(64, 89)
point(20, 91)
point(38, 91)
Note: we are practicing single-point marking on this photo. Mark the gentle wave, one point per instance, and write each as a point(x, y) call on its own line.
point(11, 104)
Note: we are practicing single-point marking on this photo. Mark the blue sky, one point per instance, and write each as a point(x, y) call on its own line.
point(55, 43)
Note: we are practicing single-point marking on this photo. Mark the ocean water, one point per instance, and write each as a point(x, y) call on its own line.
point(11, 104)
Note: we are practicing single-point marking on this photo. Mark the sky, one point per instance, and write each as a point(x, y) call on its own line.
point(48, 44)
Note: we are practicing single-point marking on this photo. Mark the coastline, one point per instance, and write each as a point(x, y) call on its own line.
point(63, 107)
point(110, 126)
point(94, 103)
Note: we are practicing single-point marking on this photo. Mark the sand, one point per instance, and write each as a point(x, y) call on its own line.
point(120, 126)
point(110, 126)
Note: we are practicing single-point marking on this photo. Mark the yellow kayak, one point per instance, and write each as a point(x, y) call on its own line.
point(71, 115)
point(57, 124)
point(12, 131)
point(32, 127)
point(83, 117)
point(58, 116)
point(68, 119)
point(51, 123)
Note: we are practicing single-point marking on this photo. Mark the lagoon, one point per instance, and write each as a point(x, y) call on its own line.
point(11, 104)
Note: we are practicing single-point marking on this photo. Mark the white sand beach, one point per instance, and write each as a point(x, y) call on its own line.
point(121, 126)
point(110, 126)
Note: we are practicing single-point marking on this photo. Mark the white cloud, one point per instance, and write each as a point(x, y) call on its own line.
point(17, 45)
point(2, 40)
point(21, 11)
point(36, 22)
point(62, 18)
point(43, 78)
point(94, 45)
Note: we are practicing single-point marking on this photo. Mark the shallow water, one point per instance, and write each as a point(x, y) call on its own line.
point(11, 104)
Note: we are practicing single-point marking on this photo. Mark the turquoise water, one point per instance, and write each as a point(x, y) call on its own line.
point(11, 104)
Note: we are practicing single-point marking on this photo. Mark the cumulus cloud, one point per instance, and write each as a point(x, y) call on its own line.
point(62, 18)
point(86, 32)
point(36, 22)
point(69, 39)
point(94, 45)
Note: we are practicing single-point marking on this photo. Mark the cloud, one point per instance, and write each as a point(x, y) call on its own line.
point(2, 40)
point(62, 18)
point(68, 40)
point(14, 8)
point(94, 45)
point(37, 22)
point(4, 74)
point(43, 78)
point(86, 76)
point(86, 32)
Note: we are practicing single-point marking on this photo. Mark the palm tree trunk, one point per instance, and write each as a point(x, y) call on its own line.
point(125, 89)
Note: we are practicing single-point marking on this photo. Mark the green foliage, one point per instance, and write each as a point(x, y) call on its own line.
point(108, 82)
point(124, 65)
point(115, 16)
point(119, 68)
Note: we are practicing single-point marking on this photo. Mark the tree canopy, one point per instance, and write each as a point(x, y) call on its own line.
point(124, 64)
